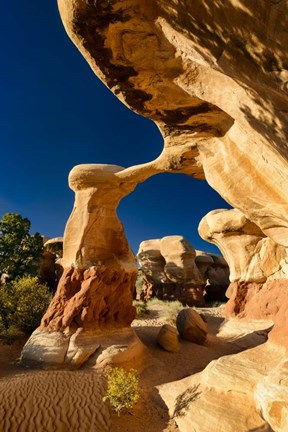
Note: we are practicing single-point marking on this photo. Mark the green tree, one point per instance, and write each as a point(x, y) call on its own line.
point(23, 303)
point(20, 252)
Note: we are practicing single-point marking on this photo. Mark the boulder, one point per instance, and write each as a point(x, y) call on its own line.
point(168, 338)
point(191, 326)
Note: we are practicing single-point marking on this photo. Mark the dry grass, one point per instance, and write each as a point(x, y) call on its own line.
point(168, 310)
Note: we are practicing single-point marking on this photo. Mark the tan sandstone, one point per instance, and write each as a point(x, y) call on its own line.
point(96, 290)
point(213, 77)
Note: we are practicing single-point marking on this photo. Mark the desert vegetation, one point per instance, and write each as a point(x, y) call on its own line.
point(123, 388)
point(23, 299)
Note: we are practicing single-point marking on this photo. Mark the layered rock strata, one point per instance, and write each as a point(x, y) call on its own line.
point(240, 392)
point(95, 292)
point(213, 76)
point(214, 79)
point(173, 270)
point(258, 269)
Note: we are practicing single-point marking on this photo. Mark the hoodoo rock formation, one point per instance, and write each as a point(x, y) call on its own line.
point(173, 270)
point(95, 292)
point(213, 76)
point(258, 265)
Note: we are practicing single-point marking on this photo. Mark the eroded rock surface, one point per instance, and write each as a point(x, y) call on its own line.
point(217, 92)
point(173, 270)
point(168, 338)
point(259, 269)
point(242, 392)
point(213, 76)
point(169, 271)
point(95, 292)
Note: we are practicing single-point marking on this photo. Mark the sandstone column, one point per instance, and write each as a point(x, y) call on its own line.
point(95, 292)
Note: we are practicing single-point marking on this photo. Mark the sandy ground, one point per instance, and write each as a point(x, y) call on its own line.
point(69, 401)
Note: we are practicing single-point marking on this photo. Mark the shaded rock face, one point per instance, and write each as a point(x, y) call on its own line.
point(168, 338)
point(173, 270)
point(50, 267)
point(191, 326)
point(169, 271)
point(215, 271)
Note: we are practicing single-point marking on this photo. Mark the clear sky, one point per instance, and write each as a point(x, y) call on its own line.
point(55, 114)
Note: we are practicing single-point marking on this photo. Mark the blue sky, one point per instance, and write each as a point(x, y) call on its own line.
point(55, 114)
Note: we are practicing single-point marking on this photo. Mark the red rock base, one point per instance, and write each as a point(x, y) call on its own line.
point(97, 298)
point(262, 301)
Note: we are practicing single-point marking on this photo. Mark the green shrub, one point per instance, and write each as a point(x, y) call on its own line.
point(141, 308)
point(20, 252)
point(23, 303)
point(9, 335)
point(123, 388)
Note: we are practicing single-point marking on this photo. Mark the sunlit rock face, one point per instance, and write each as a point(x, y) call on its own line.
point(173, 270)
point(95, 293)
point(169, 271)
point(258, 266)
point(213, 77)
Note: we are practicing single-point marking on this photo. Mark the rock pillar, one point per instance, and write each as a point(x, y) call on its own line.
point(95, 293)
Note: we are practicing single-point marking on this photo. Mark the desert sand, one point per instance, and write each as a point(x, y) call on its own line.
point(60, 401)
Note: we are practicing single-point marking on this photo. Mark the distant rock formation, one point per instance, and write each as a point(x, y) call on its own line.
point(173, 270)
point(50, 266)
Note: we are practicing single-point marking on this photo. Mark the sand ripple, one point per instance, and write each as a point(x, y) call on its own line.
point(53, 401)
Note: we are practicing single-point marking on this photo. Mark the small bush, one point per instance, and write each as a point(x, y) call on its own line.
point(23, 303)
point(141, 308)
point(123, 388)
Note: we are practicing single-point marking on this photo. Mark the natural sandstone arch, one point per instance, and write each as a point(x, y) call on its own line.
point(219, 97)
point(215, 94)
